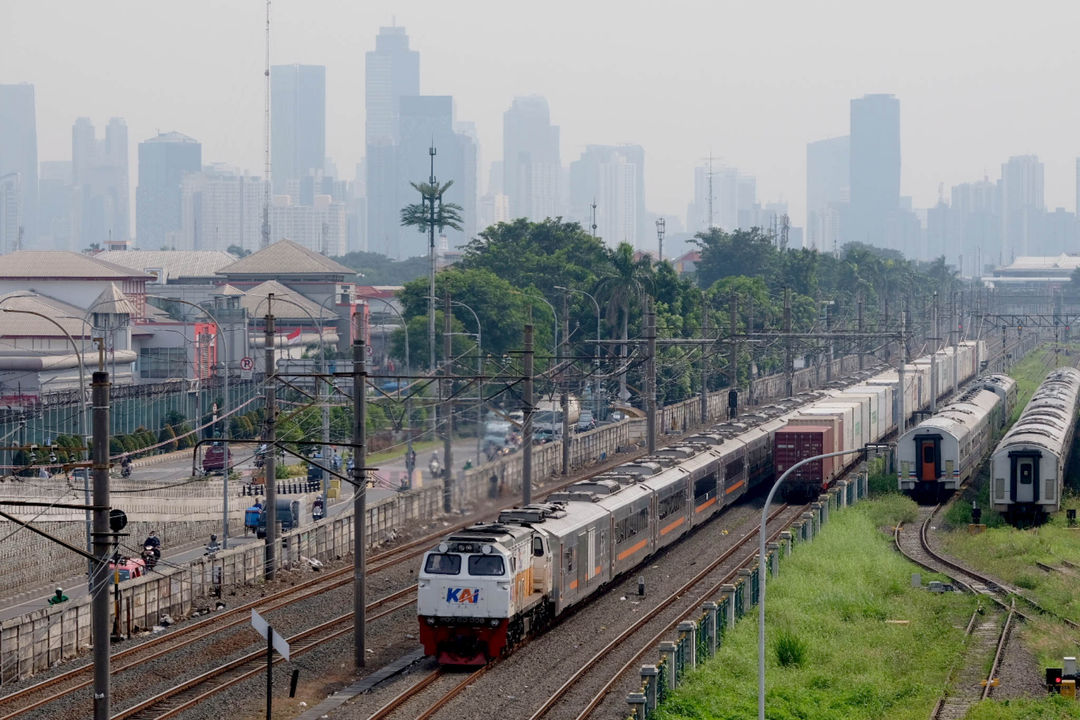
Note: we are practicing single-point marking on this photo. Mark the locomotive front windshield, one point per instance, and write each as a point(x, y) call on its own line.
point(443, 564)
point(486, 565)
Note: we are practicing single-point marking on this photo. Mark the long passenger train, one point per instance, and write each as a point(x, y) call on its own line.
point(942, 452)
point(484, 588)
point(1028, 465)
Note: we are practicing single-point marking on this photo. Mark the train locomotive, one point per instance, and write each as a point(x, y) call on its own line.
point(1028, 465)
point(486, 587)
point(942, 452)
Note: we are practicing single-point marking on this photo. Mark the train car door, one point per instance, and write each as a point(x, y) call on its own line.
point(928, 459)
point(584, 557)
point(1025, 477)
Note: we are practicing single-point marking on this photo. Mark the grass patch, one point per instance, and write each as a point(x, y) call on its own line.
point(1053, 707)
point(832, 598)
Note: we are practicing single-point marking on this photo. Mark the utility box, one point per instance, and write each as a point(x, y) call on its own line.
point(1068, 688)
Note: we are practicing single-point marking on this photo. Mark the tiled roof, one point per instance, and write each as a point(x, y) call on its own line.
point(112, 300)
point(254, 301)
point(61, 264)
point(173, 263)
point(286, 258)
point(20, 324)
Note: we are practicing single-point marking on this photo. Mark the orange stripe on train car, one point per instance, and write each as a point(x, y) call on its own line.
point(734, 487)
point(672, 526)
point(704, 505)
point(631, 550)
point(573, 585)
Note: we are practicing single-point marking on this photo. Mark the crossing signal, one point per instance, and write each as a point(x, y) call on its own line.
point(1053, 679)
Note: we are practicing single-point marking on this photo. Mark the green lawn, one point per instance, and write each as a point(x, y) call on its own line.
point(835, 595)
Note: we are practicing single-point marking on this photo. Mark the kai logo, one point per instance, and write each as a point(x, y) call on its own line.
point(463, 595)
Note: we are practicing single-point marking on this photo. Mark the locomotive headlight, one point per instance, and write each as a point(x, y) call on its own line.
point(486, 549)
point(443, 547)
point(430, 620)
point(494, 622)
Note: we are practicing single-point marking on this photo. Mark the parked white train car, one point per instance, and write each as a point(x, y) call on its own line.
point(1028, 465)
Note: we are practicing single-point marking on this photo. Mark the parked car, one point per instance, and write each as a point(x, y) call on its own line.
point(542, 435)
point(215, 459)
point(586, 421)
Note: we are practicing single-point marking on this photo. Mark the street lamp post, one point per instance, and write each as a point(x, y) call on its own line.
point(224, 410)
point(479, 372)
point(761, 568)
point(410, 458)
point(596, 350)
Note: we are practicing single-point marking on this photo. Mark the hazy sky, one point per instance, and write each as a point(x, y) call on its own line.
point(751, 81)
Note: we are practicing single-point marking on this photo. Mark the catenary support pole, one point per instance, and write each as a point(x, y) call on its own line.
point(270, 436)
point(448, 408)
point(650, 380)
point(359, 478)
point(703, 412)
point(527, 419)
point(564, 399)
point(934, 389)
point(861, 341)
point(789, 362)
point(99, 604)
point(733, 361)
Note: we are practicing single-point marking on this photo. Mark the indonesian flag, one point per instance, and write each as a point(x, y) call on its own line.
point(293, 337)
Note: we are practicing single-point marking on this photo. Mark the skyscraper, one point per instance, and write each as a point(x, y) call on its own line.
point(1022, 206)
point(100, 184)
point(531, 163)
point(163, 162)
point(875, 170)
point(18, 167)
point(297, 122)
point(614, 177)
point(221, 206)
point(828, 172)
point(392, 71)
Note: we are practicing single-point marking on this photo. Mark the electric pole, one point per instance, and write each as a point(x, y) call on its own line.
point(431, 269)
point(448, 408)
point(359, 478)
point(99, 603)
point(527, 419)
point(661, 224)
point(733, 320)
point(704, 413)
point(270, 458)
point(565, 397)
point(650, 380)
point(789, 364)
point(934, 389)
point(861, 341)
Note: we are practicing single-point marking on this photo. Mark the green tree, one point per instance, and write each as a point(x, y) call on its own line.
point(623, 289)
point(237, 251)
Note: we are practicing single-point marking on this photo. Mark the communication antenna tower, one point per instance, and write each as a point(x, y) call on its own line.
point(709, 177)
point(593, 217)
point(266, 138)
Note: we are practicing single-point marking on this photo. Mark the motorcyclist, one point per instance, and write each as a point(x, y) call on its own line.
point(153, 544)
point(125, 466)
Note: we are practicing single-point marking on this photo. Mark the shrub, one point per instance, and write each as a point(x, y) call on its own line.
point(115, 446)
point(790, 649)
point(168, 435)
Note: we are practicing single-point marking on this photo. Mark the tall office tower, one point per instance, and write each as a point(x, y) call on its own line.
point(614, 178)
point(56, 203)
point(1022, 206)
point(424, 120)
point(163, 162)
point(220, 207)
point(875, 171)
point(99, 176)
point(828, 168)
point(392, 71)
point(18, 167)
point(975, 214)
point(531, 163)
point(297, 122)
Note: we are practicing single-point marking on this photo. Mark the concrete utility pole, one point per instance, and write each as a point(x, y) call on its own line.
point(431, 269)
point(733, 321)
point(527, 420)
point(954, 334)
point(99, 603)
point(934, 389)
point(862, 340)
point(359, 478)
point(448, 409)
point(650, 380)
point(270, 436)
point(750, 329)
point(661, 224)
point(564, 399)
point(901, 422)
point(828, 329)
point(704, 412)
point(789, 362)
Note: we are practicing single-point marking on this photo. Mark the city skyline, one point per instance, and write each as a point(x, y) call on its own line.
point(960, 121)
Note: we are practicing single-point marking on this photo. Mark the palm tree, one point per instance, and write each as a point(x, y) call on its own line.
point(429, 214)
point(621, 288)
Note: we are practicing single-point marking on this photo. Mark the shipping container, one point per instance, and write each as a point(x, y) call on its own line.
point(798, 442)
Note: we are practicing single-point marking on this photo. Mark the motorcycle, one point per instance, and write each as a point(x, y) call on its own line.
point(213, 547)
point(150, 556)
point(125, 471)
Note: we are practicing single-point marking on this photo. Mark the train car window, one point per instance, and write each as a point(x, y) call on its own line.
point(705, 487)
point(538, 547)
point(928, 453)
point(486, 565)
point(733, 468)
point(513, 564)
point(671, 504)
point(443, 564)
point(570, 560)
point(1025, 474)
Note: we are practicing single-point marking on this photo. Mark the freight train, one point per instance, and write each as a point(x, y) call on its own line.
point(942, 452)
point(485, 588)
point(1028, 466)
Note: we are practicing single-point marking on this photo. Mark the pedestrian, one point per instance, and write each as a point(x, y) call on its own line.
point(493, 486)
point(59, 597)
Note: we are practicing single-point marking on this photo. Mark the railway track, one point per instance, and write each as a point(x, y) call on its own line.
point(402, 705)
point(986, 637)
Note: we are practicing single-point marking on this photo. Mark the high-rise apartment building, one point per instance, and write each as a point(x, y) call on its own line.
point(320, 226)
point(1022, 206)
point(828, 184)
point(163, 162)
point(56, 205)
point(531, 163)
point(392, 71)
point(874, 171)
point(612, 176)
point(18, 168)
point(220, 207)
point(722, 195)
point(99, 178)
point(297, 122)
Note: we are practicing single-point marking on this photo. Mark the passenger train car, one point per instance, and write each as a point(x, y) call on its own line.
point(486, 587)
point(1028, 465)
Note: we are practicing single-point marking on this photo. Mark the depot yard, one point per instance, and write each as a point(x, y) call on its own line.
point(859, 641)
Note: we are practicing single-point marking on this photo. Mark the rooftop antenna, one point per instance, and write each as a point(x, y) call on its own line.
point(709, 176)
point(266, 139)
